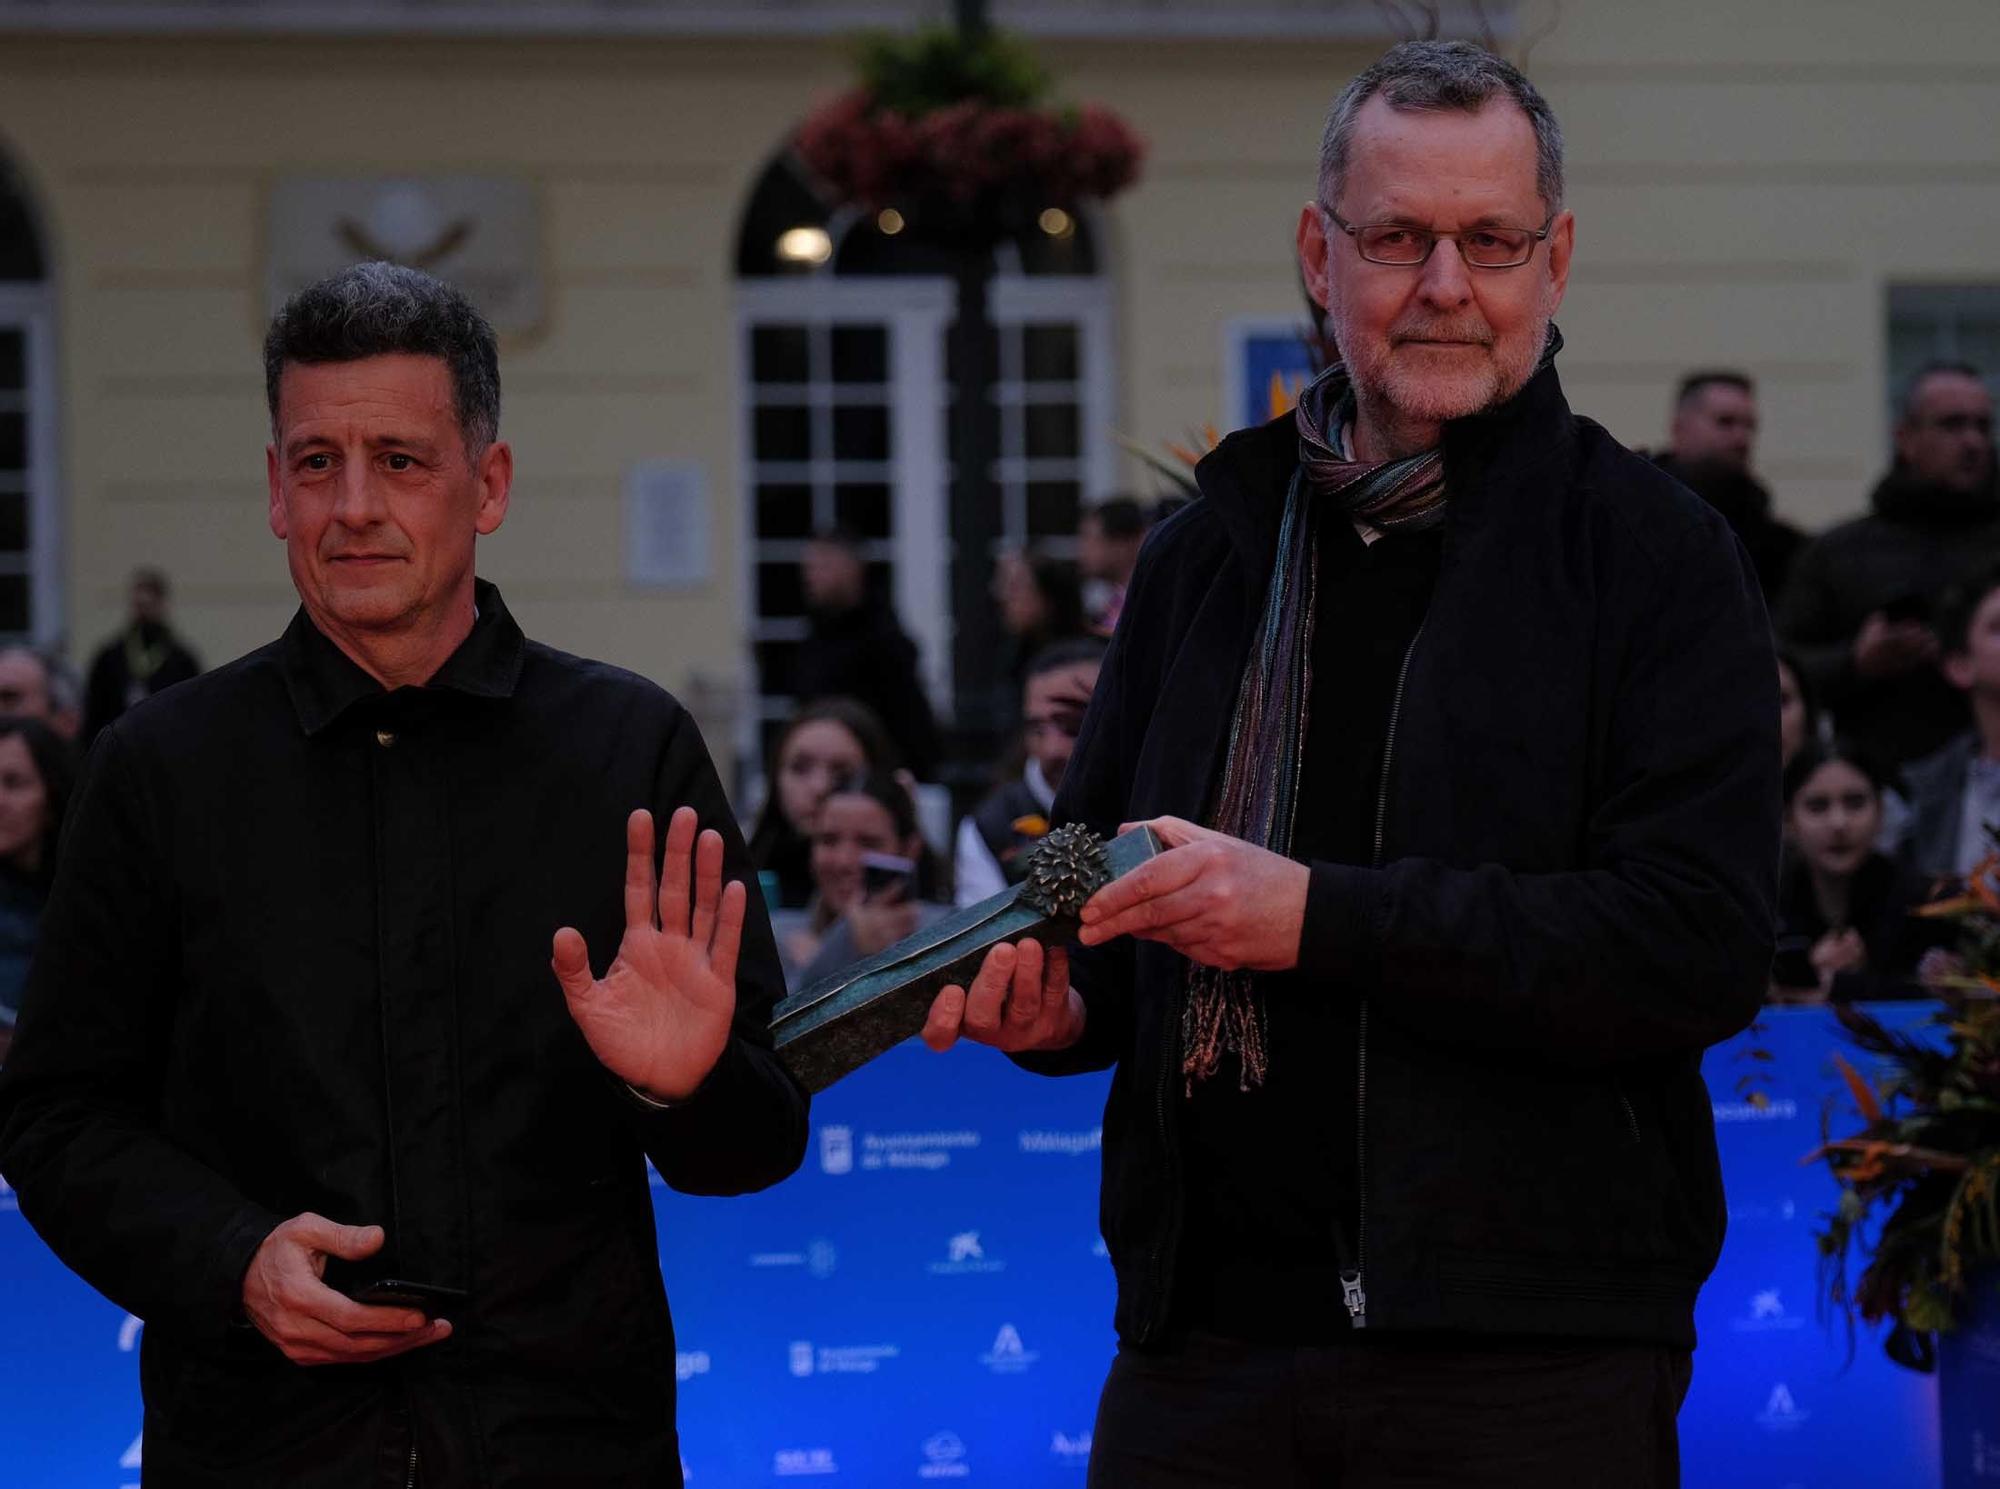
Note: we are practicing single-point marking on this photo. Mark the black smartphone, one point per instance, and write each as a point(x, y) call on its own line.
point(428, 1298)
point(1792, 965)
point(886, 876)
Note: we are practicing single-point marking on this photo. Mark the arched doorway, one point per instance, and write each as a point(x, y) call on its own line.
point(30, 594)
point(843, 320)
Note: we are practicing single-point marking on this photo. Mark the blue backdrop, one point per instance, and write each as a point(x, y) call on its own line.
point(928, 1300)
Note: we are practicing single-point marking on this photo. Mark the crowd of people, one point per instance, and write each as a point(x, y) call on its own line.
point(47, 721)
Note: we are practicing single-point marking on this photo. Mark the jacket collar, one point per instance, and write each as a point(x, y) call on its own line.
point(1246, 477)
point(324, 682)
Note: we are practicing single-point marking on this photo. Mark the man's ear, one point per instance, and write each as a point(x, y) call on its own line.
point(1562, 243)
point(1313, 250)
point(277, 515)
point(496, 483)
point(1957, 669)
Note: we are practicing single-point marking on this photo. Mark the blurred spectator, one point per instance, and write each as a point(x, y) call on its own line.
point(1714, 428)
point(1845, 931)
point(1798, 714)
point(1955, 793)
point(857, 649)
point(826, 742)
point(878, 880)
point(993, 840)
point(1108, 539)
point(1715, 421)
point(1859, 607)
point(36, 774)
point(1041, 603)
point(140, 660)
point(27, 689)
point(1744, 501)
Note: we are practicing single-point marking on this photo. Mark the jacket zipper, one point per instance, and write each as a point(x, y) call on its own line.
point(1353, 1292)
point(1631, 1117)
point(410, 1481)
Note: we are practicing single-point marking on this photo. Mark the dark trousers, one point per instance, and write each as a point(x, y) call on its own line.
point(1391, 1413)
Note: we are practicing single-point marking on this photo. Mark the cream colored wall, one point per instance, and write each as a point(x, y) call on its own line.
point(1746, 179)
point(151, 161)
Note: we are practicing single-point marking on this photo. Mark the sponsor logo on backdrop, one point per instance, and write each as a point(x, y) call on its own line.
point(965, 1257)
point(688, 1363)
point(1781, 1413)
point(805, 1358)
point(1098, 1248)
point(1744, 1111)
point(1766, 1315)
point(819, 1258)
point(836, 1150)
point(128, 1333)
point(918, 1150)
point(1063, 1144)
point(944, 1458)
point(1009, 1356)
point(798, 1463)
point(1070, 1447)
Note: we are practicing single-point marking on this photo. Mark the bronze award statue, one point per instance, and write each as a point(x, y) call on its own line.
point(840, 1023)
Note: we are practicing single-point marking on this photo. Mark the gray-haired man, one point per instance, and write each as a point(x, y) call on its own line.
point(1459, 720)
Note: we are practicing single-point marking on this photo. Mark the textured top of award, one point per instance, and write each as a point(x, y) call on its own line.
point(840, 1023)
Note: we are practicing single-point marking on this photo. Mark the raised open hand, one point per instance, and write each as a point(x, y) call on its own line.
point(660, 1016)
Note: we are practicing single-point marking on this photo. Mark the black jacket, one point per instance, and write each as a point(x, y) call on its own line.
point(297, 958)
point(1916, 543)
point(1579, 829)
point(863, 653)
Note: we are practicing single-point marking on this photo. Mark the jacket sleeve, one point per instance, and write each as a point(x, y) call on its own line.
point(744, 1128)
point(81, 1137)
point(1661, 944)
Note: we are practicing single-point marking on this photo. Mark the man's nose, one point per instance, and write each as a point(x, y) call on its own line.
point(358, 504)
point(1446, 283)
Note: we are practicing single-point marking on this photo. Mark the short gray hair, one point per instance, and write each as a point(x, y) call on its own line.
point(379, 310)
point(1441, 75)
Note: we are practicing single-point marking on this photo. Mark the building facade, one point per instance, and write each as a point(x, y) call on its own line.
point(1805, 189)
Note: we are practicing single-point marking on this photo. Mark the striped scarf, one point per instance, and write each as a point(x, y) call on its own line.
point(1222, 1012)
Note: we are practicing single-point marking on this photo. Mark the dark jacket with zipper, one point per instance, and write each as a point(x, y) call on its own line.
point(1572, 894)
point(297, 958)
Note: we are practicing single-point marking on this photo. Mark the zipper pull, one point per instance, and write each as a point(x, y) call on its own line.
point(1355, 1299)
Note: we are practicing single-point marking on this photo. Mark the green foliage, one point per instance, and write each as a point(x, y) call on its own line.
point(935, 68)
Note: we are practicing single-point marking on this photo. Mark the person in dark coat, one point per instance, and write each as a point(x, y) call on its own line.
point(1860, 607)
point(141, 660)
point(858, 649)
point(1847, 930)
point(1459, 724)
point(995, 838)
point(1713, 433)
point(361, 965)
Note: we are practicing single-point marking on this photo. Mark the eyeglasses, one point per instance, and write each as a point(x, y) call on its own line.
point(1399, 244)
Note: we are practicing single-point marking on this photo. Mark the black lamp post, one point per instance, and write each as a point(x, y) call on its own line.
point(975, 493)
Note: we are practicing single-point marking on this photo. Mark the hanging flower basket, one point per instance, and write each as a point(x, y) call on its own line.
point(950, 134)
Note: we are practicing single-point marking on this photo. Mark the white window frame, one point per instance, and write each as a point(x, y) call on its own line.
point(918, 309)
point(31, 309)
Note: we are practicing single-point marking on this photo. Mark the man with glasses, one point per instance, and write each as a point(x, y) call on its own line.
point(1458, 721)
point(1859, 609)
